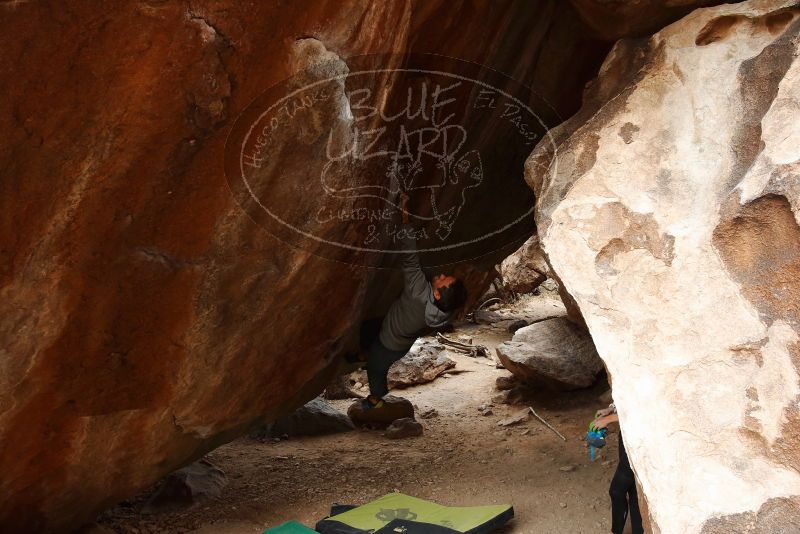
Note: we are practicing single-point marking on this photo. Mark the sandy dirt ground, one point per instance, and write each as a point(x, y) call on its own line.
point(464, 458)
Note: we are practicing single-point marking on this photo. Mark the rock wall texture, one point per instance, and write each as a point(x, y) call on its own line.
point(670, 211)
point(613, 20)
point(145, 318)
point(554, 353)
point(525, 269)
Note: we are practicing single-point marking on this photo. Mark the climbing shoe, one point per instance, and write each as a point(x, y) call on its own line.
point(371, 403)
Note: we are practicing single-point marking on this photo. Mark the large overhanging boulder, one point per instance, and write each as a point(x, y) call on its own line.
point(670, 213)
point(146, 318)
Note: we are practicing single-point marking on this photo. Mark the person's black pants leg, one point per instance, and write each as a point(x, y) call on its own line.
point(619, 490)
point(633, 507)
point(369, 332)
point(624, 498)
point(380, 359)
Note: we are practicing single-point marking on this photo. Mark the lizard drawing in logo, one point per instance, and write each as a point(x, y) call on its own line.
point(441, 178)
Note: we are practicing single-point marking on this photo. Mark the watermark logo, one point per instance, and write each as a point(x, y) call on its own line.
point(351, 158)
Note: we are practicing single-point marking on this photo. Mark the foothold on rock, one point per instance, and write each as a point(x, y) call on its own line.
point(555, 353)
point(316, 418)
point(404, 428)
point(187, 487)
point(393, 408)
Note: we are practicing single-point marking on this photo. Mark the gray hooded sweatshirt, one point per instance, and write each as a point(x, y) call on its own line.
point(415, 310)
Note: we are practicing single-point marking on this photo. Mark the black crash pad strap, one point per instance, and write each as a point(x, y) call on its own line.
point(331, 526)
point(404, 526)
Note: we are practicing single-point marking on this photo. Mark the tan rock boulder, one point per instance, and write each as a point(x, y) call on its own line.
point(670, 212)
point(555, 353)
point(525, 269)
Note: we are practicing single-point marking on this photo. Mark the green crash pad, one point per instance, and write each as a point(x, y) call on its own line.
point(401, 513)
point(290, 527)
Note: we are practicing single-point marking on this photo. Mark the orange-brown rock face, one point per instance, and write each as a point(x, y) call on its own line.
point(146, 318)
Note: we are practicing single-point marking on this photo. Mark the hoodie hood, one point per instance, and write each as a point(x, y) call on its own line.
point(434, 317)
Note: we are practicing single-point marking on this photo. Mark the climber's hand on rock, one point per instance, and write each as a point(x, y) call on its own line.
point(603, 422)
point(603, 412)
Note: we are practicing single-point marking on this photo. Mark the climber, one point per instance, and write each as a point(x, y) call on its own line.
point(622, 491)
point(422, 306)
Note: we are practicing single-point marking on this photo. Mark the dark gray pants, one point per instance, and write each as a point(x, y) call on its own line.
point(379, 359)
point(623, 495)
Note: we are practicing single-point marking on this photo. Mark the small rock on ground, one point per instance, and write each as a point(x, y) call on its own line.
point(428, 413)
point(187, 487)
point(510, 396)
point(316, 418)
point(504, 383)
point(404, 428)
point(515, 419)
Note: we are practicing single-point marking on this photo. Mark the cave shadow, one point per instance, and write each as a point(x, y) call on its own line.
point(546, 398)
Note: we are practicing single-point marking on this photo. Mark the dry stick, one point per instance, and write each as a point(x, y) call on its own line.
point(546, 423)
point(447, 341)
point(492, 300)
point(475, 350)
